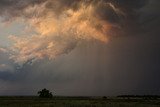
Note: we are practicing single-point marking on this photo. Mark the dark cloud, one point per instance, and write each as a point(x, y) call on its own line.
point(12, 76)
point(128, 64)
point(14, 8)
point(131, 20)
point(60, 5)
point(131, 4)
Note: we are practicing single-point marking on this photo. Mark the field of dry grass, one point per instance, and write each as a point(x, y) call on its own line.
point(76, 102)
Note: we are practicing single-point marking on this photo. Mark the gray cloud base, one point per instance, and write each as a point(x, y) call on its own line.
point(127, 65)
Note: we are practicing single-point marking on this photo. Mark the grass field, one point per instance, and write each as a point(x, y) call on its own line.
point(76, 102)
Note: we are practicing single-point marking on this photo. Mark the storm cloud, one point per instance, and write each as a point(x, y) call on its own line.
point(110, 46)
point(61, 25)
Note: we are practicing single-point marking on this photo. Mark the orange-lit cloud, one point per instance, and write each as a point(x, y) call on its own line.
point(3, 50)
point(56, 28)
point(58, 35)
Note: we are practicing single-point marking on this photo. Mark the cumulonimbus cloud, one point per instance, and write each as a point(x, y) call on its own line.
point(59, 25)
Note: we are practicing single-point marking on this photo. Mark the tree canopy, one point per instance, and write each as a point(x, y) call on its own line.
point(44, 93)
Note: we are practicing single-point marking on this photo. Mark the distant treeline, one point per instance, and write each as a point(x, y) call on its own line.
point(140, 96)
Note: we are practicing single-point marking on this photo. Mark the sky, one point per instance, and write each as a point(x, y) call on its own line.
point(80, 47)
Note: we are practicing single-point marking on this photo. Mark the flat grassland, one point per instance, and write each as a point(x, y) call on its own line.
point(31, 101)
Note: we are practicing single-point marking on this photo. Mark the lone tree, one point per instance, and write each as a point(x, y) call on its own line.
point(44, 93)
